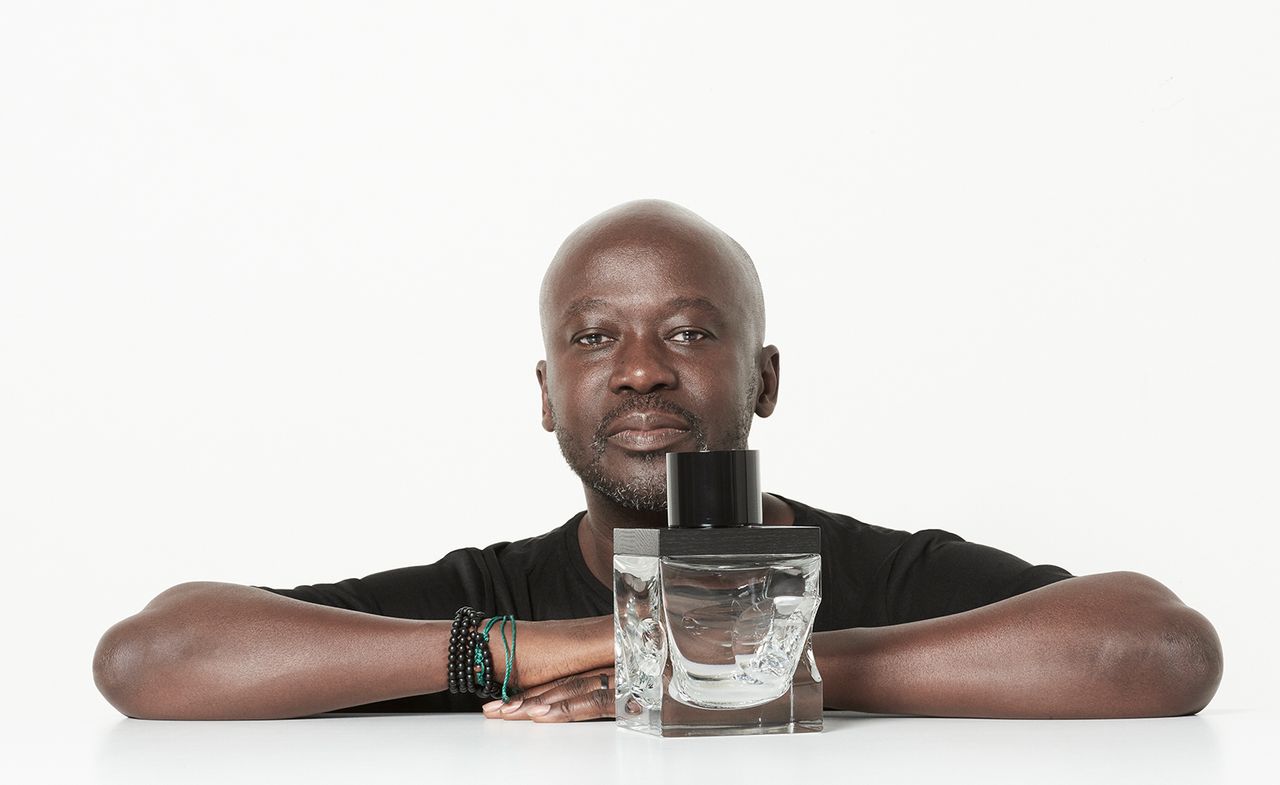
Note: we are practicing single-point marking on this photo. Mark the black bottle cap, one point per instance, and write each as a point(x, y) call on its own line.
point(713, 489)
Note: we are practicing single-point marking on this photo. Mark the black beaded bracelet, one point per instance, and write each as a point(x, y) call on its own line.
point(453, 653)
point(455, 648)
point(469, 651)
point(485, 686)
point(462, 642)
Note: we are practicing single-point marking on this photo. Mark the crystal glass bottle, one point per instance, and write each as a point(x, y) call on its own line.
point(713, 615)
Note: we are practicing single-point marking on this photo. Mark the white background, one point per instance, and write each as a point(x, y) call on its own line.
point(268, 277)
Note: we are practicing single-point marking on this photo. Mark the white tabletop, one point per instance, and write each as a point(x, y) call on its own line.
point(1218, 746)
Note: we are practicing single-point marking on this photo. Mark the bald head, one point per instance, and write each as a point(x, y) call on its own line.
point(651, 227)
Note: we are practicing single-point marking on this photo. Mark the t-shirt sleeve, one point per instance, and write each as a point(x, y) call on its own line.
point(430, 591)
point(936, 573)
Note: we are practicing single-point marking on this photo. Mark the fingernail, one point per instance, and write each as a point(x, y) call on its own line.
point(512, 706)
point(491, 705)
point(538, 711)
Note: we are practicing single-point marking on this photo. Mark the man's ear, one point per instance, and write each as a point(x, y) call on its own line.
point(548, 422)
point(767, 398)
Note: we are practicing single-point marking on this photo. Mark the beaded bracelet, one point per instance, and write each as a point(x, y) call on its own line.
point(461, 645)
point(471, 662)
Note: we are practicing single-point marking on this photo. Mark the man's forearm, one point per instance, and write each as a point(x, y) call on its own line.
point(1111, 645)
point(224, 651)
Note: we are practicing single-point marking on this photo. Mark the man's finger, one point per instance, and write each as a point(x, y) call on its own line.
point(512, 710)
point(533, 703)
point(558, 693)
point(589, 706)
point(541, 689)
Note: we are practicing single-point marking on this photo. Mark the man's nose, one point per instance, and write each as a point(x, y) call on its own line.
point(642, 366)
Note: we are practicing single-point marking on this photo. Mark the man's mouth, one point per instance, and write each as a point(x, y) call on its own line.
point(647, 421)
point(647, 431)
point(648, 440)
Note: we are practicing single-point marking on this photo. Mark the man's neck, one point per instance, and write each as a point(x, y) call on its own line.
point(595, 532)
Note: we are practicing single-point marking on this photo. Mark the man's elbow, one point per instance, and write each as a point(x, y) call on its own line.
point(1192, 654)
point(131, 673)
point(146, 665)
point(116, 669)
point(1168, 666)
point(1162, 658)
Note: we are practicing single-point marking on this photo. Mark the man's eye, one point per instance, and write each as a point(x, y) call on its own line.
point(698, 336)
point(584, 340)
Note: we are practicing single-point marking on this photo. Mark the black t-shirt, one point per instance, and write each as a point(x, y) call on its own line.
point(871, 577)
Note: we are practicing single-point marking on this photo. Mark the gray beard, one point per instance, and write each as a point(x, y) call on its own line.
point(646, 489)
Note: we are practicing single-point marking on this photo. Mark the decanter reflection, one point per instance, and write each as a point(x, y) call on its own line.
point(737, 628)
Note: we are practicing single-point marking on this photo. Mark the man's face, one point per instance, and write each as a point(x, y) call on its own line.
point(649, 351)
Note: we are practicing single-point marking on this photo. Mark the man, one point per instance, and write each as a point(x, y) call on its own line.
point(653, 325)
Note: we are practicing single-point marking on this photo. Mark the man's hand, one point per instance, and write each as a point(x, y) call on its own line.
point(583, 696)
